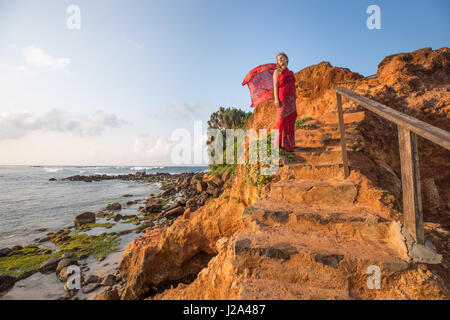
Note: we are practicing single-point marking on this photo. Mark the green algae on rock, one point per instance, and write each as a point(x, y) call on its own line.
point(89, 226)
point(20, 265)
point(97, 246)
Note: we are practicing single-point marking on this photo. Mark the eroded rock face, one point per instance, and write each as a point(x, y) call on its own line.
point(229, 275)
point(108, 294)
point(417, 84)
point(165, 256)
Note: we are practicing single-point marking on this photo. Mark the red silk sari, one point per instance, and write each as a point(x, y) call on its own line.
point(260, 83)
point(287, 112)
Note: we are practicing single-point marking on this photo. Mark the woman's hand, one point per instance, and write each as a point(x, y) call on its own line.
point(277, 103)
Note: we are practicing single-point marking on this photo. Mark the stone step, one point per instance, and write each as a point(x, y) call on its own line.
point(317, 143)
point(349, 117)
point(327, 192)
point(355, 222)
point(335, 126)
point(312, 171)
point(312, 260)
point(332, 127)
point(309, 142)
point(323, 134)
point(256, 289)
point(332, 154)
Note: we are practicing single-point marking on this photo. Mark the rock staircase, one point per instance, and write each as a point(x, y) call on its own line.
point(313, 228)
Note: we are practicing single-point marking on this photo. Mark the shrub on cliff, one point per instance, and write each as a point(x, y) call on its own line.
point(228, 118)
point(223, 119)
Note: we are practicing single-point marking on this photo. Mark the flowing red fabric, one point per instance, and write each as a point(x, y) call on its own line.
point(260, 83)
point(287, 112)
point(286, 129)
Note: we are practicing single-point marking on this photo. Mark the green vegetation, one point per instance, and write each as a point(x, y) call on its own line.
point(222, 168)
point(167, 184)
point(226, 118)
point(28, 261)
point(103, 214)
point(97, 246)
point(252, 172)
point(24, 262)
point(299, 124)
point(229, 118)
point(133, 219)
point(89, 226)
point(289, 155)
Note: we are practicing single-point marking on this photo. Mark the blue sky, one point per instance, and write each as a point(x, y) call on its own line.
point(112, 92)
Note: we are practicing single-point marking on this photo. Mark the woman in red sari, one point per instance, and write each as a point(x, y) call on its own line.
point(285, 100)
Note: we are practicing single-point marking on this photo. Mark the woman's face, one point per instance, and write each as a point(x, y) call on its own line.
point(282, 60)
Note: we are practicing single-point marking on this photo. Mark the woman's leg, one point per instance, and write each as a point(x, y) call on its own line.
point(286, 129)
point(290, 131)
point(280, 127)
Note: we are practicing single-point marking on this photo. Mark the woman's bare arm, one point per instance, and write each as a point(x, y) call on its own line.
point(276, 74)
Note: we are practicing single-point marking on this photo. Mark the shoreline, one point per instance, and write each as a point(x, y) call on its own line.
point(97, 245)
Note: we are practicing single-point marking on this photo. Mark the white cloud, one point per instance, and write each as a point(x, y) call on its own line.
point(160, 150)
point(138, 145)
point(39, 58)
point(19, 124)
point(181, 110)
point(19, 70)
point(186, 111)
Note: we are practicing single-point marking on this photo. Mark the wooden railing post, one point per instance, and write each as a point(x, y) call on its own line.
point(412, 203)
point(408, 129)
point(342, 132)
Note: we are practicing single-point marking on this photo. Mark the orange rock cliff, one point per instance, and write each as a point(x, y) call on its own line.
point(309, 233)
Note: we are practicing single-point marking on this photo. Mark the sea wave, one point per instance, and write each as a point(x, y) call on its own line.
point(53, 169)
point(145, 168)
point(105, 173)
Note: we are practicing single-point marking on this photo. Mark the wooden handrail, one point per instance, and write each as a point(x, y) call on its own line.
point(408, 129)
point(432, 133)
point(351, 81)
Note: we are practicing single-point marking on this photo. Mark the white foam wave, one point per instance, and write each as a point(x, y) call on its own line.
point(144, 168)
point(53, 169)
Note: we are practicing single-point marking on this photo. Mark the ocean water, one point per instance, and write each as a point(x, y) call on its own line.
point(29, 201)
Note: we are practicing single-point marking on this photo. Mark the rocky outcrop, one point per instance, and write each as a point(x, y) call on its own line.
point(49, 265)
point(114, 206)
point(162, 257)
point(167, 256)
point(84, 218)
point(108, 294)
point(417, 84)
point(308, 233)
point(6, 282)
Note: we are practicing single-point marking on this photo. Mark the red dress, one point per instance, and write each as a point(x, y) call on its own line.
point(287, 112)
